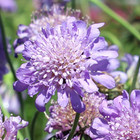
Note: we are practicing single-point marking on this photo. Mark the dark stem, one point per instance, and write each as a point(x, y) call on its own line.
point(73, 5)
point(135, 75)
point(74, 126)
point(2, 32)
point(33, 125)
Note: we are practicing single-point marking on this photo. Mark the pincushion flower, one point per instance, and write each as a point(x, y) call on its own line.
point(121, 118)
point(68, 59)
point(10, 126)
point(53, 17)
point(62, 119)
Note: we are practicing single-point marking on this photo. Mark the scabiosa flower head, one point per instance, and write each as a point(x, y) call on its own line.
point(62, 119)
point(53, 17)
point(8, 5)
point(66, 58)
point(11, 126)
point(121, 118)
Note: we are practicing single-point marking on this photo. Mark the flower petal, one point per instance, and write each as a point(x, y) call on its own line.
point(62, 99)
point(76, 102)
point(19, 86)
point(104, 80)
point(40, 103)
point(88, 85)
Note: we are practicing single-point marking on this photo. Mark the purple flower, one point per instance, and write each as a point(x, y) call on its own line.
point(66, 58)
point(121, 118)
point(3, 69)
point(10, 99)
point(1, 125)
point(11, 126)
point(62, 119)
point(53, 17)
point(8, 5)
point(131, 62)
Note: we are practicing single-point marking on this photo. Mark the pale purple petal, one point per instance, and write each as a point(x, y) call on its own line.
point(104, 80)
point(88, 85)
point(122, 75)
point(62, 99)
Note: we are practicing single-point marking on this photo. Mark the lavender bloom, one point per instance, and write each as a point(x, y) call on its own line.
point(53, 17)
point(62, 119)
point(66, 59)
point(11, 126)
point(8, 5)
point(121, 118)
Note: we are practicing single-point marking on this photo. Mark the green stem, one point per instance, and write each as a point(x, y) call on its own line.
point(2, 32)
point(33, 125)
point(6, 113)
point(74, 126)
point(135, 75)
point(118, 18)
point(73, 5)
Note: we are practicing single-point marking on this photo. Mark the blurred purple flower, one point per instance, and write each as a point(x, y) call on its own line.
point(1, 124)
point(11, 126)
point(66, 59)
point(121, 118)
point(10, 99)
point(3, 69)
point(40, 20)
point(8, 5)
point(62, 119)
point(131, 62)
point(47, 4)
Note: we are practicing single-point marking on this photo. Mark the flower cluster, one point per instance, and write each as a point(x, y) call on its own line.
point(62, 118)
point(121, 118)
point(10, 127)
point(67, 58)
